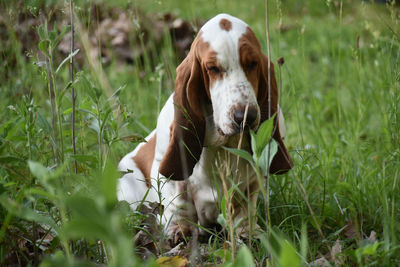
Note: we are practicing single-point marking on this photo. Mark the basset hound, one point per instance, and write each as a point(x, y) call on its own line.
point(223, 77)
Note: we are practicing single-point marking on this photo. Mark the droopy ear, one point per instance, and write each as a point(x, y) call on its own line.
point(282, 162)
point(188, 128)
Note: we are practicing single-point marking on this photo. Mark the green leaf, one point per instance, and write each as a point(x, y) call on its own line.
point(90, 160)
point(39, 171)
point(264, 133)
point(81, 227)
point(117, 92)
point(223, 206)
point(238, 223)
point(67, 111)
point(288, 256)
point(224, 254)
point(26, 213)
point(241, 153)
point(109, 184)
point(88, 111)
point(221, 220)
point(253, 142)
point(366, 250)
point(44, 46)
point(263, 160)
point(304, 241)
point(60, 36)
point(58, 259)
point(52, 36)
point(39, 192)
point(94, 93)
point(244, 258)
point(62, 93)
point(105, 114)
point(85, 207)
point(41, 32)
point(10, 159)
point(44, 124)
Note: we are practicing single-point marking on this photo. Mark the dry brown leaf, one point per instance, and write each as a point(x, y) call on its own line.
point(337, 249)
point(321, 262)
point(145, 244)
point(351, 230)
point(372, 237)
point(175, 251)
point(177, 261)
point(146, 240)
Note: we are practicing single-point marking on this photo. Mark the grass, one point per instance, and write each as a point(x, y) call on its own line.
point(340, 96)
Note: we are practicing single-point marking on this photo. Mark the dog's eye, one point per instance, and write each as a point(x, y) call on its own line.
point(214, 69)
point(252, 65)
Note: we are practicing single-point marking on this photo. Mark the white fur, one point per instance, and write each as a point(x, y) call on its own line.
point(132, 186)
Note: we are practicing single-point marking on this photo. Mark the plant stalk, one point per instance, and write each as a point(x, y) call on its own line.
point(53, 109)
point(71, 74)
point(266, 197)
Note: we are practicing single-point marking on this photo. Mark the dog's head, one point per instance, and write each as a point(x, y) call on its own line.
point(226, 69)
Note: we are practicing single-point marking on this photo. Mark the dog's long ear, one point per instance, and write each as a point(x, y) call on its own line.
point(282, 162)
point(188, 128)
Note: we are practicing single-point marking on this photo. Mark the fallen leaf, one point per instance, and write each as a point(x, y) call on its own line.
point(372, 237)
point(177, 261)
point(351, 230)
point(336, 250)
point(146, 240)
point(322, 262)
point(175, 251)
point(145, 244)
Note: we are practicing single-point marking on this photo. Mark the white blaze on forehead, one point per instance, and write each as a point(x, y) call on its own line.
point(232, 92)
point(224, 42)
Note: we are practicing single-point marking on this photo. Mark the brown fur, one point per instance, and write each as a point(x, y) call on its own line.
point(188, 128)
point(144, 159)
point(250, 50)
point(225, 24)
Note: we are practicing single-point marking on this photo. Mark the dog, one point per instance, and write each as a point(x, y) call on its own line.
point(220, 85)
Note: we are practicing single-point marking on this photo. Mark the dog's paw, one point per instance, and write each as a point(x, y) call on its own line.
point(245, 232)
point(179, 232)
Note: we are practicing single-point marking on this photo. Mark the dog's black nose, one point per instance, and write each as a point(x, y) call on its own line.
point(238, 116)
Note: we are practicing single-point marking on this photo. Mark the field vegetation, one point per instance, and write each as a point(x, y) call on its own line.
point(340, 94)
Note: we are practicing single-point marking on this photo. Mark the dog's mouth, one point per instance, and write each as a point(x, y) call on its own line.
point(237, 129)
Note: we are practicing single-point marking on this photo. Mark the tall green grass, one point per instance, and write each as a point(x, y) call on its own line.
point(340, 97)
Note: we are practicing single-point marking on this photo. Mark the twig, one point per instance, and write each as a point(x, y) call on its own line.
point(223, 172)
point(71, 74)
point(53, 110)
point(29, 124)
point(266, 197)
point(242, 126)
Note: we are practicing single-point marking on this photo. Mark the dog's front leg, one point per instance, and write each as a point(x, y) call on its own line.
point(180, 214)
point(245, 214)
